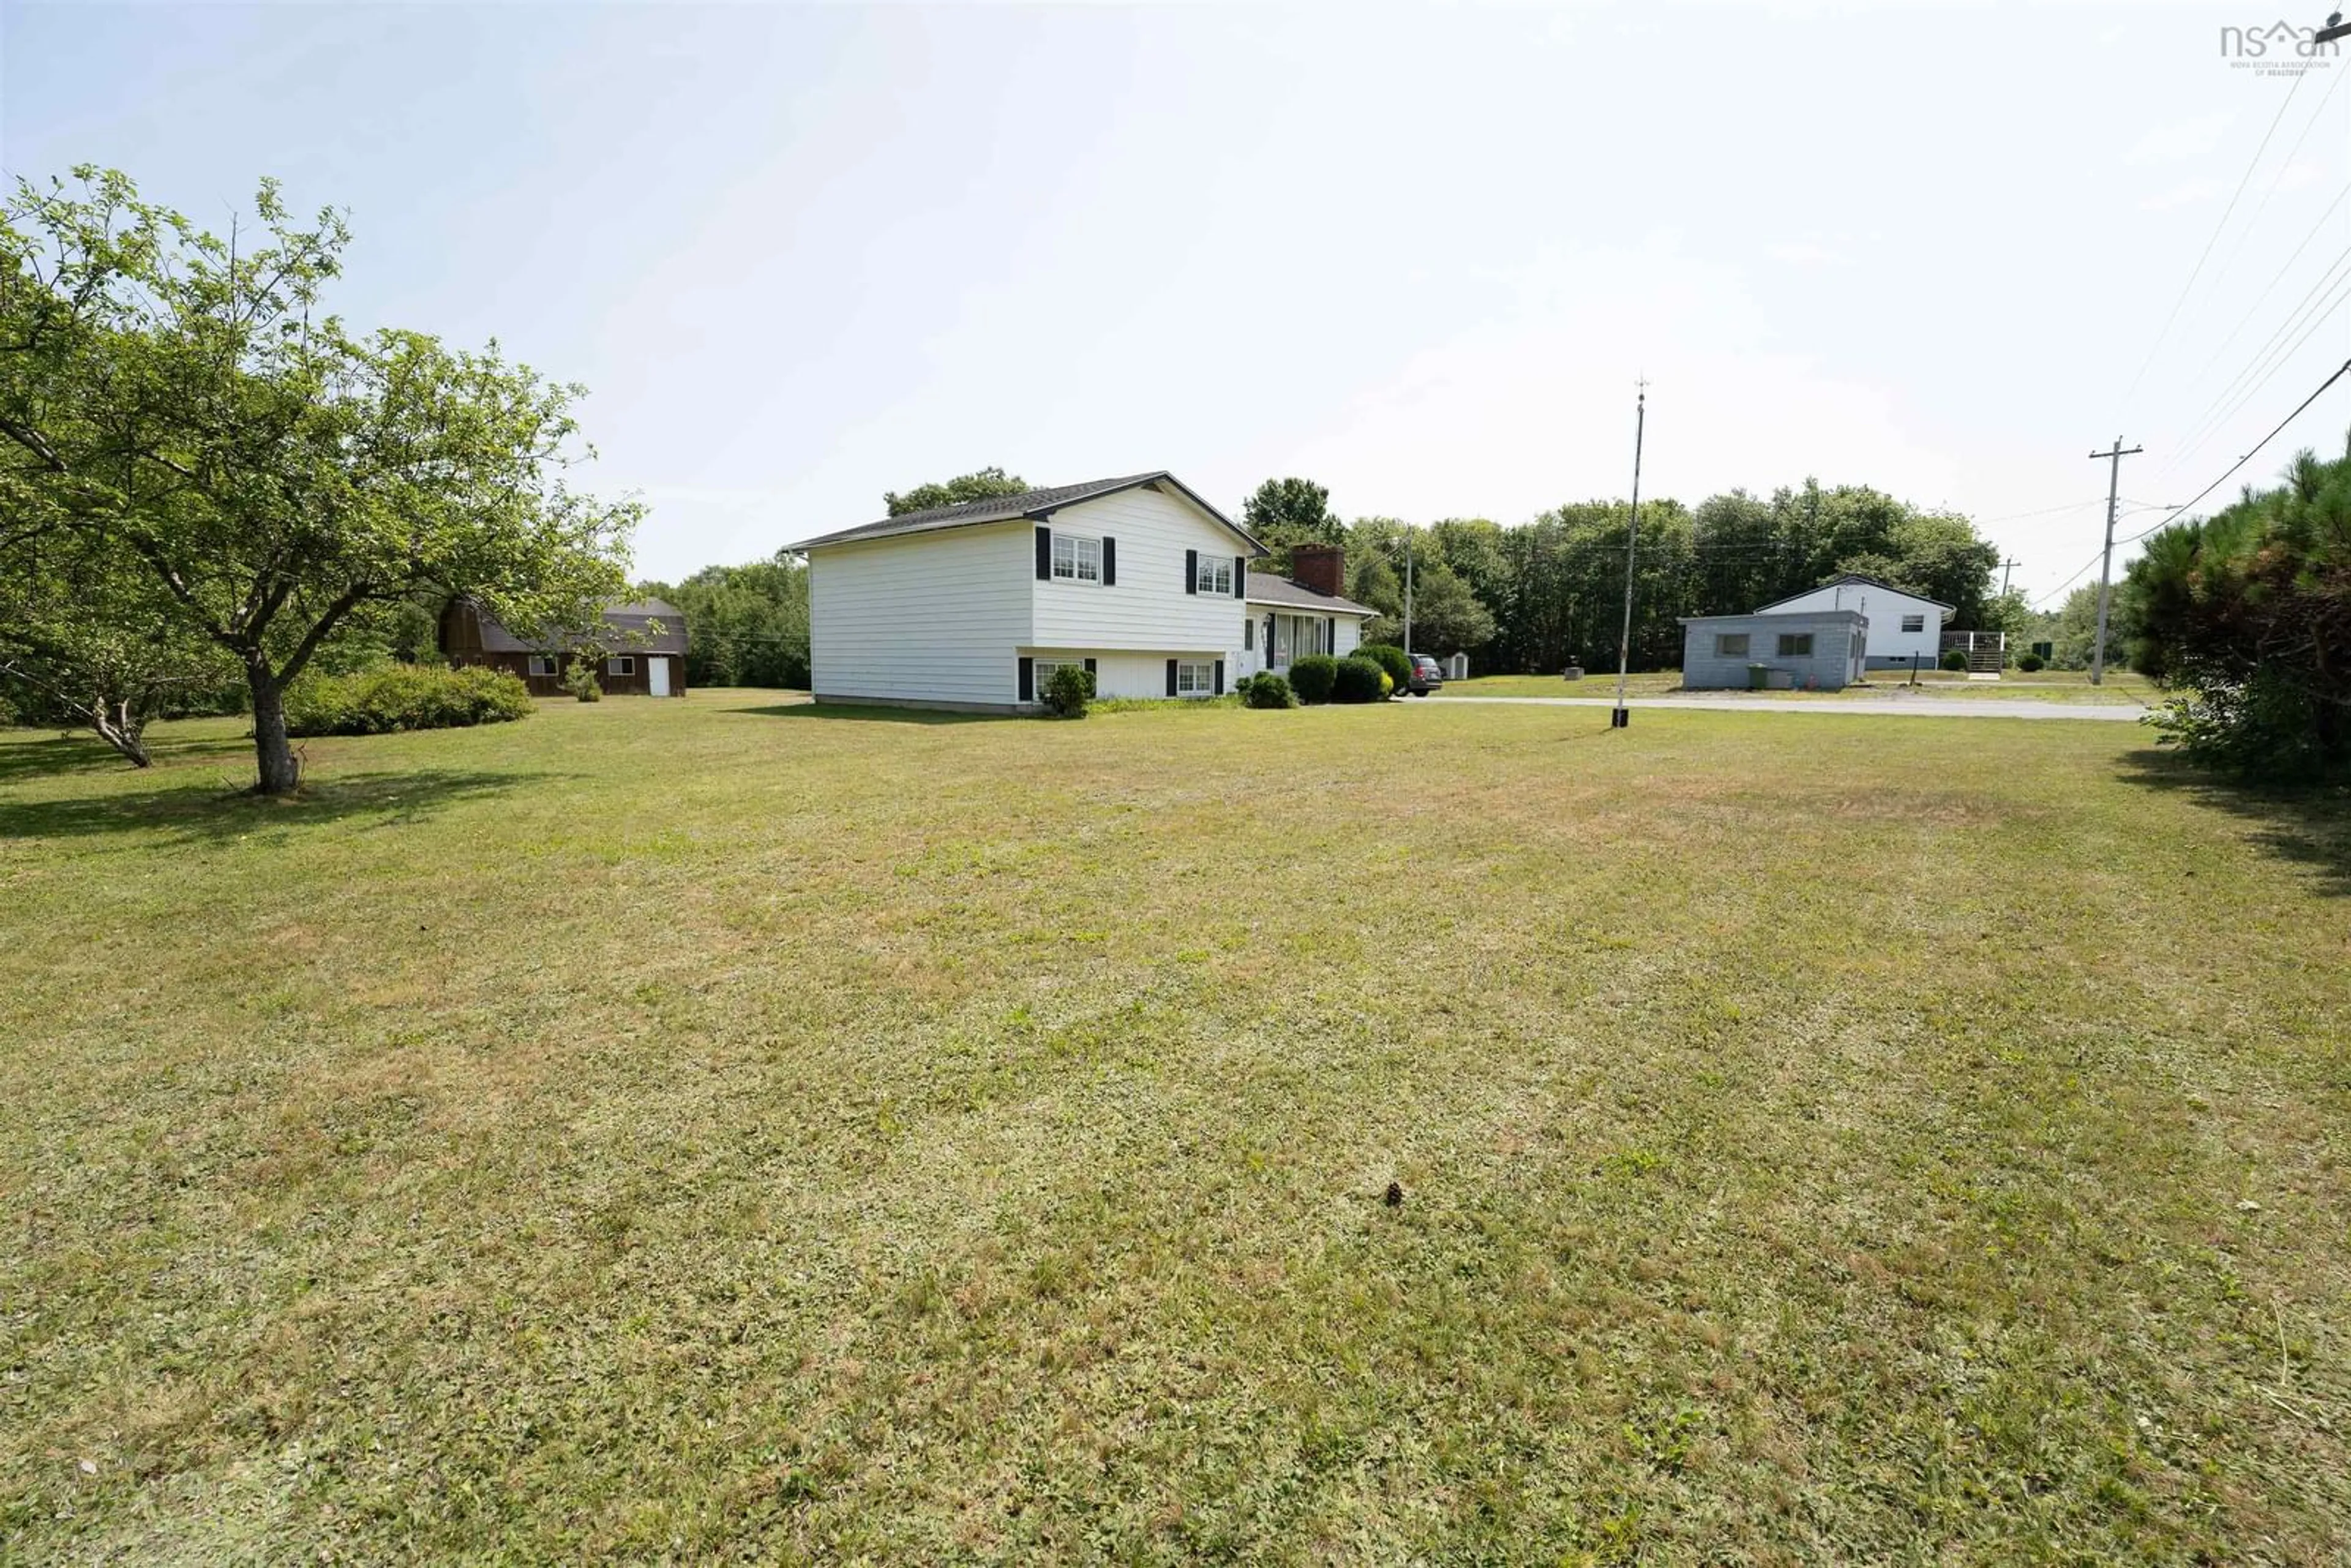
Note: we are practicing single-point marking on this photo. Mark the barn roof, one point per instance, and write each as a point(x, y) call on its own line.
point(631, 620)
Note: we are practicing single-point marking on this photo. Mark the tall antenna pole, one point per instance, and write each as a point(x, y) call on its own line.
point(1621, 719)
point(2106, 562)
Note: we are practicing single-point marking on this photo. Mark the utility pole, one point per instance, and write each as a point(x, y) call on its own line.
point(1408, 595)
point(2005, 566)
point(1622, 719)
point(2106, 562)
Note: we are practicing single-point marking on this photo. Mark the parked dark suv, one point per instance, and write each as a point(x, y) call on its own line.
point(1426, 676)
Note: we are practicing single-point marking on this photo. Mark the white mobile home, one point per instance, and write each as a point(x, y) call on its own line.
point(1902, 626)
point(972, 606)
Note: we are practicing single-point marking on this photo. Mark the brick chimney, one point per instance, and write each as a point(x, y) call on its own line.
point(1322, 568)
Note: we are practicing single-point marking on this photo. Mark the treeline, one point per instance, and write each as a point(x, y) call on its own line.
point(1543, 594)
point(2246, 616)
point(745, 625)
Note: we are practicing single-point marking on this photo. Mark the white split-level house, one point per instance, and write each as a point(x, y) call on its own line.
point(1902, 626)
point(1137, 579)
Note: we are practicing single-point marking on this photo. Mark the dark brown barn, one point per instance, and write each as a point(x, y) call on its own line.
point(644, 662)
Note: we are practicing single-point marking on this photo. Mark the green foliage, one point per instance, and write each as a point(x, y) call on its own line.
point(1953, 659)
point(2029, 663)
point(746, 625)
point(1284, 512)
point(2248, 614)
point(1068, 690)
point(580, 679)
point(1357, 680)
point(1266, 689)
point(1313, 677)
point(189, 408)
point(1390, 658)
point(975, 486)
point(403, 697)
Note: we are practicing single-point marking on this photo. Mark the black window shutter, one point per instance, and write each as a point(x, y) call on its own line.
point(1191, 584)
point(1110, 563)
point(1044, 555)
point(1171, 677)
point(1240, 577)
point(1028, 674)
point(1090, 666)
point(1220, 677)
point(1248, 635)
point(1331, 634)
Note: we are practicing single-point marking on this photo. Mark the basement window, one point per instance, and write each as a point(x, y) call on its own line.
point(1195, 680)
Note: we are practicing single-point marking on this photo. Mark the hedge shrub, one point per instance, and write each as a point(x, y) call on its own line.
point(1068, 690)
point(2028, 662)
point(1392, 659)
point(579, 680)
point(1313, 677)
point(1955, 660)
point(403, 696)
point(1266, 690)
point(1358, 680)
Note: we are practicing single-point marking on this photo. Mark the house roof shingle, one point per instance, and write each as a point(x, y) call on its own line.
point(1037, 504)
point(1264, 587)
point(1867, 581)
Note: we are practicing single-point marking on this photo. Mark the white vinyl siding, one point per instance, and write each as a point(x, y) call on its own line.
point(1901, 625)
point(931, 617)
point(1147, 608)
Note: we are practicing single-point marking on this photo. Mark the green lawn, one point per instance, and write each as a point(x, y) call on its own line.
point(720, 1130)
point(2120, 687)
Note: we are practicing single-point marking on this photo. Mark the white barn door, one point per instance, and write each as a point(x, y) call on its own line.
point(657, 672)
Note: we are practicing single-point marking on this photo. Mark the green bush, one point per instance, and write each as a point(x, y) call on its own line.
point(1955, 660)
point(1313, 677)
point(1392, 659)
point(2028, 662)
point(403, 696)
point(581, 681)
point(1267, 690)
point(1358, 680)
point(1068, 690)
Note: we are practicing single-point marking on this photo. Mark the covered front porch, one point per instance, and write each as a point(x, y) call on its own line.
point(1274, 639)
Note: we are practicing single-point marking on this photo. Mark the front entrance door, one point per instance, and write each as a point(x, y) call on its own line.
point(657, 672)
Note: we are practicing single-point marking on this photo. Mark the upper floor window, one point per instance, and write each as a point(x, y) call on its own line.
point(1076, 560)
point(1913, 623)
point(1213, 574)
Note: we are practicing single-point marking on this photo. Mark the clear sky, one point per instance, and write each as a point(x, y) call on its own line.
point(804, 253)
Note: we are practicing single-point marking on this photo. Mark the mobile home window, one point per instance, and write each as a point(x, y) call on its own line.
point(1795, 644)
point(1913, 623)
point(1076, 560)
point(1213, 574)
point(1731, 646)
point(542, 664)
point(623, 665)
point(1194, 680)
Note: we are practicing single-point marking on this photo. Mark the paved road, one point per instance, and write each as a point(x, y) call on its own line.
point(1914, 707)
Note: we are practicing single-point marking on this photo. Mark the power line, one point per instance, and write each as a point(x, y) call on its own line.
point(2275, 278)
point(2340, 371)
point(2205, 254)
point(2278, 360)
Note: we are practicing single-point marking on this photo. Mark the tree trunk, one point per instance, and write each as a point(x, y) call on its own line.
point(280, 773)
point(122, 728)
